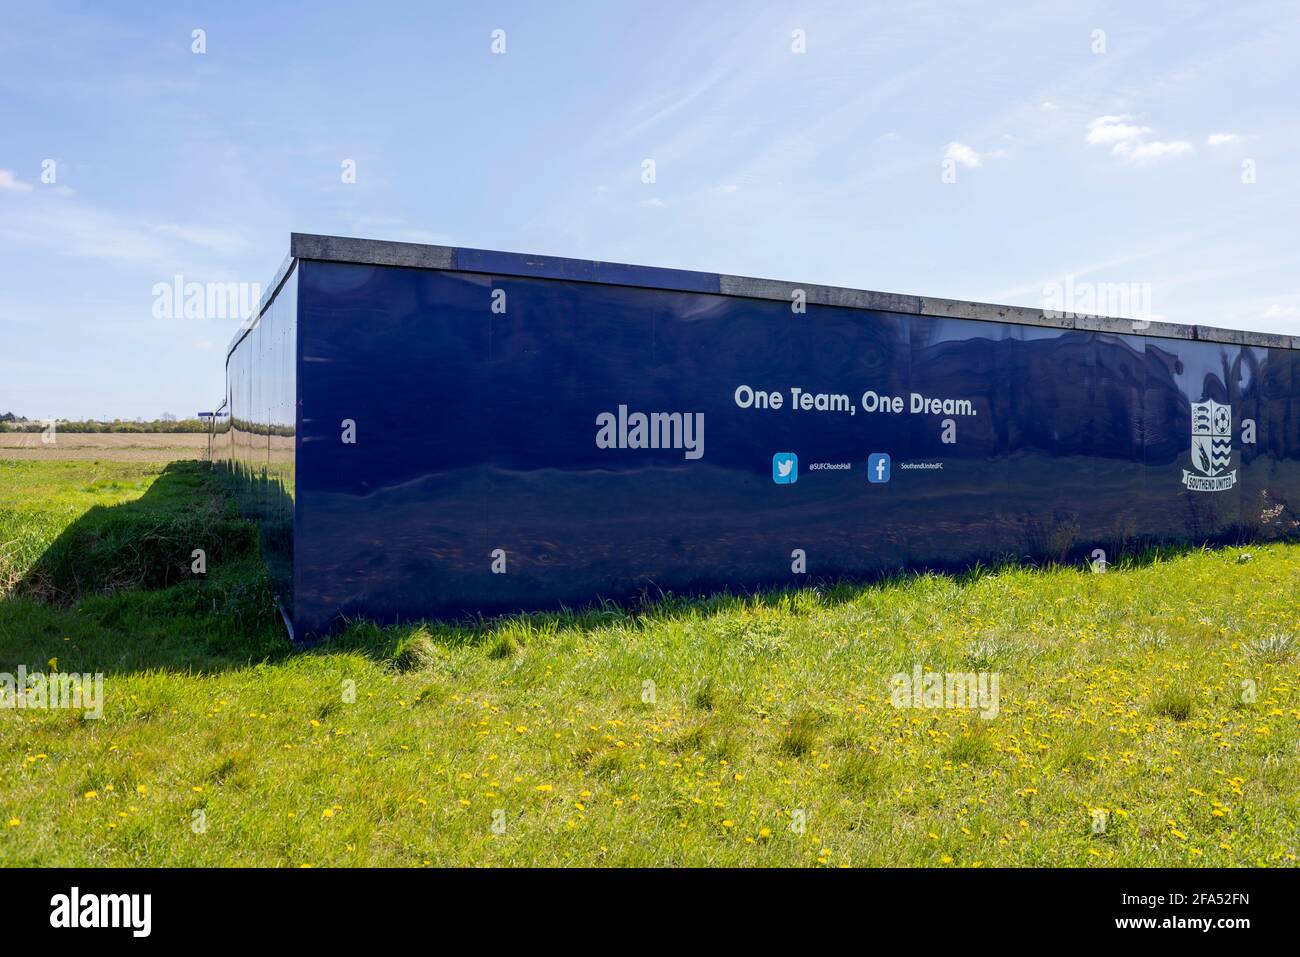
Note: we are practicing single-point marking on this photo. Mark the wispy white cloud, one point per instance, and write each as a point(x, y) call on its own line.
point(67, 226)
point(1153, 151)
point(1128, 141)
point(217, 240)
point(11, 182)
point(1221, 139)
point(970, 157)
point(1108, 130)
point(961, 153)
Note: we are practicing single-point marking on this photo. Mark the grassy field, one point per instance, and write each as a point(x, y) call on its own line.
point(1149, 715)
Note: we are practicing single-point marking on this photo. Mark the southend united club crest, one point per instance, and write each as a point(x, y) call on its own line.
point(1211, 448)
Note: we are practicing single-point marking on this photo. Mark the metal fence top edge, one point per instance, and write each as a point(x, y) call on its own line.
point(458, 259)
point(273, 290)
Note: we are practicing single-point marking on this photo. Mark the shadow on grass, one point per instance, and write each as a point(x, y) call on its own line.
point(144, 543)
point(116, 593)
point(411, 645)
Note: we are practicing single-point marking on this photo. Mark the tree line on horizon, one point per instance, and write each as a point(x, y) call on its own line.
point(9, 422)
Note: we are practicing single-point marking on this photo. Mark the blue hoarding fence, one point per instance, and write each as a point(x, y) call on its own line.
point(433, 432)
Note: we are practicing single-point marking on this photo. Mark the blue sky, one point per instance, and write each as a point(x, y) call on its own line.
point(1112, 157)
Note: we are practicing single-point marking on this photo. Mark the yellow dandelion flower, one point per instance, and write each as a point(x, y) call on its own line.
point(545, 788)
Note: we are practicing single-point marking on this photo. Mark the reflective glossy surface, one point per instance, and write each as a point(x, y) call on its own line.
point(255, 442)
point(477, 442)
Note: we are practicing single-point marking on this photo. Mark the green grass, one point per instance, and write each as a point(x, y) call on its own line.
point(1165, 692)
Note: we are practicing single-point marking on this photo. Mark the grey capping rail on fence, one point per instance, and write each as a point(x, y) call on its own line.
point(420, 256)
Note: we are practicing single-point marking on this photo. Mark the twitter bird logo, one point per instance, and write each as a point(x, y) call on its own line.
point(785, 468)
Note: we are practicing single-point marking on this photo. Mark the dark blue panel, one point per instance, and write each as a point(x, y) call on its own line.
point(481, 432)
point(1273, 462)
point(1116, 466)
point(956, 461)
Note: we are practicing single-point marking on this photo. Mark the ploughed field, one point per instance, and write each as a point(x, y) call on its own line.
point(1148, 715)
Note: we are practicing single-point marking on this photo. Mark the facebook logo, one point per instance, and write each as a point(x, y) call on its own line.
point(878, 467)
point(785, 468)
